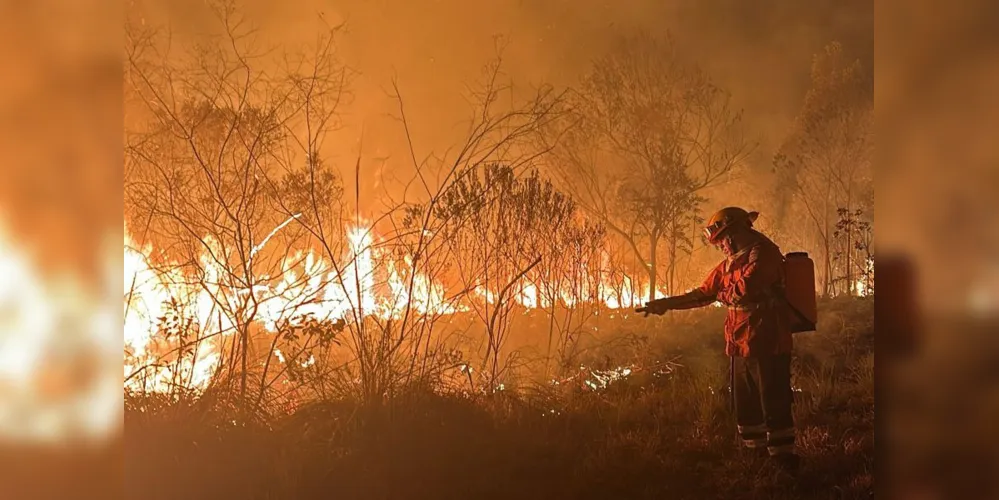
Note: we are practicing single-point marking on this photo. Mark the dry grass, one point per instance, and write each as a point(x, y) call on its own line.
point(650, 436)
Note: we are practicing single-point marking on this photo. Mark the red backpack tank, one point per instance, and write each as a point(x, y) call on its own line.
point(799, 287)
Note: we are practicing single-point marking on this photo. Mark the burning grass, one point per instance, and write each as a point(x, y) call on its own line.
point(648, 430)
point(181, 319)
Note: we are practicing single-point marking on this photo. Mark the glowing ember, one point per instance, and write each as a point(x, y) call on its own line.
point(596, 380)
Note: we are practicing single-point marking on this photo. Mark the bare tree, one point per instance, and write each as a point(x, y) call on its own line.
point(397, 343)
point(441, 199)
point(825, 162)
point(204, 171)
point(569, 282)
point(647, 133)
point(510, 235)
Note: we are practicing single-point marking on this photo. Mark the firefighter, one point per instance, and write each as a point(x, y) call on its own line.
point(750, 283)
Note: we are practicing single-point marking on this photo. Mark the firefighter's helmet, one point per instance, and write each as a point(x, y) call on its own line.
point(725, 219)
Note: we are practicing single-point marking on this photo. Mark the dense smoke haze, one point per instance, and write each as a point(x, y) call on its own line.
point(759, 51)
point(287, 336)
point(314, 160)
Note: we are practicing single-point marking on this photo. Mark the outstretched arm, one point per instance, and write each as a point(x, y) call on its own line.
point(700, 297)
point(690, 300)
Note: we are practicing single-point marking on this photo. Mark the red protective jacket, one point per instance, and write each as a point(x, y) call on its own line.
point(751, 283)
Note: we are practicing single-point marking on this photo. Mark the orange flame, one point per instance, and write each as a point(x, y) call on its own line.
point(159, 298)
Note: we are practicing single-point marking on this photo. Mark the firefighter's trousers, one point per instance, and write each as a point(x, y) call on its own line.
point(763, 399)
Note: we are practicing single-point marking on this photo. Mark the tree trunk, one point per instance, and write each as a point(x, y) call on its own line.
point(551, 333)
point(653, 265)
point(827, 264)
point(827, 250)
point(245, 337)
point(849, 253)
point(671, 276)
point(849, 242)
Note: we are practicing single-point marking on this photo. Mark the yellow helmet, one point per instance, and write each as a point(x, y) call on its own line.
point(726, 218)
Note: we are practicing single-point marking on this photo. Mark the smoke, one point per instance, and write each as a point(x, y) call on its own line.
point(760, 51)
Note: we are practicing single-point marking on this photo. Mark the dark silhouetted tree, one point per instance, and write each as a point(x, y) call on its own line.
point(825, 162)
point(646, 135)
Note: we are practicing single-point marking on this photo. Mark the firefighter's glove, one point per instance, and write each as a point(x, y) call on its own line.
point(657, 307)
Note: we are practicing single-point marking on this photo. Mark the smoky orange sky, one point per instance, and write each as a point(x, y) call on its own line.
point(760, 51)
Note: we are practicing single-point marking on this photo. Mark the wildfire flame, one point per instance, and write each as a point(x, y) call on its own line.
point(174, 324)
point(58, 351)
point(860, 287)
